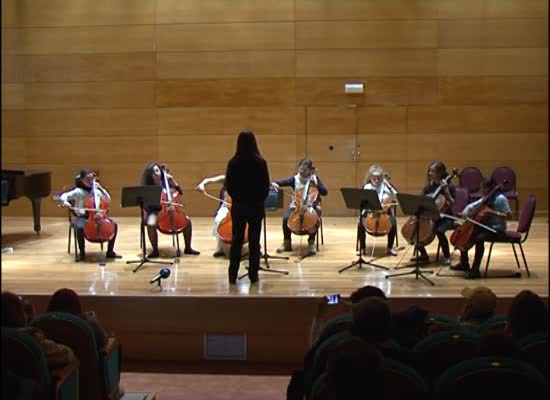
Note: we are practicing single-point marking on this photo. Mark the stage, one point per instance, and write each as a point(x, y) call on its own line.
point(275, 314)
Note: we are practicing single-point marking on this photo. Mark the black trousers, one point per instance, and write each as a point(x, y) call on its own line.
point(287, 233)
point(363, 236)
point(254, 230)
point(479, 240)
point(78, 225)
point(441, 226)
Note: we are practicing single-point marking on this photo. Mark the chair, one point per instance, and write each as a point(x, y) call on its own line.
point(99, 370)
point(23, 357)
point(507, 177)
point(442, 350)
point(519, 236)
point(438, 323)
point(402, 382)
point(461, 201)
point(491, 377)
point(535, 350)
point(495, 324)
point(470, 178)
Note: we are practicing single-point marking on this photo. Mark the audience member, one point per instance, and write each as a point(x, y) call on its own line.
point(68, 301)
point(499, 345)
point(527, 315)
point(353, 371)
point(14, 316)
point(480, 305)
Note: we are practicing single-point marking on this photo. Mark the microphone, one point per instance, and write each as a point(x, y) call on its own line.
point(163, 274)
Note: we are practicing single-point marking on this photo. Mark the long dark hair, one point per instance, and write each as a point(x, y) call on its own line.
point(440, 167)
point(246, 145)
point(147, 175)
point(81, 175)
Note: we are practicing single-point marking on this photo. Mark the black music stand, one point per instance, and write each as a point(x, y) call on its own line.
point(5, 202)
point(419, 206)
point(361, 199)
point(274, 201)
point(142, 196)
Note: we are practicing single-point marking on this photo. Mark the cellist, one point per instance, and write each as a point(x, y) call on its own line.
point(437, 172)
point(374, 180)
point(499, 210)
point(222, 211)
point(83, 189)
point(306, 172)
point(153, 175)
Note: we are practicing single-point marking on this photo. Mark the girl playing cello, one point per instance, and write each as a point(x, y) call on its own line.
point(374, 180)
point(83, 189)
point(497, 213)
point(437, 173)
point(306, 173)
point(153, 174)
point(222, 211)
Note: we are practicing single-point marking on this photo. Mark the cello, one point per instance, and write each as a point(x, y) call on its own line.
point(98, 228)
point(426, 226)
point(463, 237)
point(172, 220)
point(304, 219)
point(378, 223)
point(225, 227)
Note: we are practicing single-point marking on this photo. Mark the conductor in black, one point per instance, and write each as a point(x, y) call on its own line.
point(247, 182)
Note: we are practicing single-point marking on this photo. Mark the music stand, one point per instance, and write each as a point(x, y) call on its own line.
point(419, 206)
point(273, 202)
point(142, 196)
point(361, 199)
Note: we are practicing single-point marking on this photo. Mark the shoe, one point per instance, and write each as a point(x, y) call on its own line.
point(232, 279)
point(460, 267)
point(191, 251)
point(473, 274)
point(253, 277)
point(391, 251)
point(113, 255)
point(153, 254)
point(219, 253)
point(311, 250)
point(447, 261)
point(80, 257)
point(286, 246)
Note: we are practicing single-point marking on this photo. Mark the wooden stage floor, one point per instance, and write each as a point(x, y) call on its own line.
point(40, 264)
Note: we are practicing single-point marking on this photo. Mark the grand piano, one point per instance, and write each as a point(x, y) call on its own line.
point(33, 184)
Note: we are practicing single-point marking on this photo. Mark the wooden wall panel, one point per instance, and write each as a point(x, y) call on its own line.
point(332, 148)
point(178, 80)
point(379, 62)
point(382, 120)
point(478, 146)
point(89, 95)
point(487, 62)
point(29, 13)
point(234, 36)
point(242, 92)
point(477, 33)
point(96, 120)
point(104, 39)
point(489, 119)
point(13, 96)
point(176, 11)
point(494, 90)
point(230, 120)
point(366, 35)
point(364, 9)
point(331, 120)
point(13, 123)
point(90, 67)
point(226, 64)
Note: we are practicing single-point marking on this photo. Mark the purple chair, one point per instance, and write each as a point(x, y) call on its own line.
point(507, 177)
point(519, 235)
point(461, 201)
point(470, 179)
